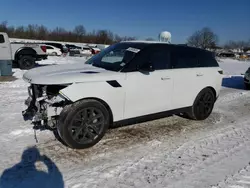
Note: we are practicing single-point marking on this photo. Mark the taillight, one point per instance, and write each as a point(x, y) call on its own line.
point(43, 48)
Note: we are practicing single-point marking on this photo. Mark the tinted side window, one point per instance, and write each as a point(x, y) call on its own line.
point(2, 39)
point(207, 59)
point(183, 57)
point(160, 58)
point(85, 48)
point(157, 55)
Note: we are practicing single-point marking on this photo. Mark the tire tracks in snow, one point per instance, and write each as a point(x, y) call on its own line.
point(240, 179)
point(223, 147)
point(187, 166)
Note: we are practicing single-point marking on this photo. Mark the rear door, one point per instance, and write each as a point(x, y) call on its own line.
point(5, 49)
point(188, 78)
point(209, 72)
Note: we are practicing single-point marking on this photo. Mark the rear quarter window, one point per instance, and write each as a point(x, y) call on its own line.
point(207, 59)
point(183, 57)
point(2, 39)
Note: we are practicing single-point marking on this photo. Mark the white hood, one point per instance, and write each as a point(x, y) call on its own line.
point(69, 73)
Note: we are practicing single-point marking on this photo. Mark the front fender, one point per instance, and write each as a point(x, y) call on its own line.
point(114, 96)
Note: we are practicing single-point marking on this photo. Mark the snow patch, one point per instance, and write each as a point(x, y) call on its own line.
point(21, 132)
point(234, 67)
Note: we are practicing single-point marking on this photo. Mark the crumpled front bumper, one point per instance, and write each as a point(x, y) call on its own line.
point(30, 102)
point(39, 107)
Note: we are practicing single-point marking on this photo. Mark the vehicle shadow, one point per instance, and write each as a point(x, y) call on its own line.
point(26, 175)
point(234, 82)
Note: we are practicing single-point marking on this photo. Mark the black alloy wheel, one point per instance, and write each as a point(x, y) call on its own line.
point(204, 105)
point(83, 124)
point(26, 62)
point(87, 125)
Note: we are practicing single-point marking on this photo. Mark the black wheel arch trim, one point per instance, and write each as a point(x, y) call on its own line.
point(25, 51)
point(213, 90)
point(102, 102)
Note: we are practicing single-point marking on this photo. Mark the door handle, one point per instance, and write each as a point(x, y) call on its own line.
point(199, 74)
point(4, 46)
point(165, 78)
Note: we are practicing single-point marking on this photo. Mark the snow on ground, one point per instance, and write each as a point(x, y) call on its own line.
point(53, 60)
point(234, 67)
point(171, 152)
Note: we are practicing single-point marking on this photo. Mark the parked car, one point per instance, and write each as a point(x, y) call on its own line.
point(226, 54)
point(72, 47)
point(247, 78)
point(23, 54)
point(86, 51)
point(95, 50)
point(126, 83)
point(51, 50)
point(62, 47)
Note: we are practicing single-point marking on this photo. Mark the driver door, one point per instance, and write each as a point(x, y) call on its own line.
point(149, 92)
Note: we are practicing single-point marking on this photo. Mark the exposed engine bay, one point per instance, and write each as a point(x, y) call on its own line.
point(44, 104)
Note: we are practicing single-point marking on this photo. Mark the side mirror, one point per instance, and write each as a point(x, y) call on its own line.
point(146, 67)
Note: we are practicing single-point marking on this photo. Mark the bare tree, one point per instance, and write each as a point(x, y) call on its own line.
point(117, 38)
point(103, 37)
point(42, 33)
point(204, 38)
point(78, 34)
point(3, 26)
point(80, 31)
point(126, 38)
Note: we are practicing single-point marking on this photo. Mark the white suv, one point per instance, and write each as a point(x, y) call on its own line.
point(126, 83)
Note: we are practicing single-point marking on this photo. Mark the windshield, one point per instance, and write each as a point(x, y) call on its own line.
point(116, 56)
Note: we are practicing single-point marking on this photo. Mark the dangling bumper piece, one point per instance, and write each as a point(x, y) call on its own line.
point(42, 107)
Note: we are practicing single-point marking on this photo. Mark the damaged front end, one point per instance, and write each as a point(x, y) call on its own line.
point(44, 104)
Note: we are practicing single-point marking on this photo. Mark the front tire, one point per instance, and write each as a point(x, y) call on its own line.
point(26, 62)
point(203, 105)
point(84, 124)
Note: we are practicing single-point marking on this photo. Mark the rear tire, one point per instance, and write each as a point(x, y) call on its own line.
point(26, 62)
point(203, 105)
point(54, 54)
point(83, 124)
